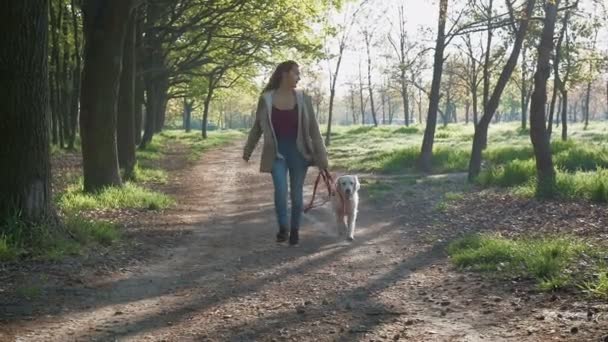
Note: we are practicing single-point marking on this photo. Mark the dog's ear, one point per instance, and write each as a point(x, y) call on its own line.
point(357, 184)
point(337, 184)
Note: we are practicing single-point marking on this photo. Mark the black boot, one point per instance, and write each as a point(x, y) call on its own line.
point(294, 237)
point(282, 234)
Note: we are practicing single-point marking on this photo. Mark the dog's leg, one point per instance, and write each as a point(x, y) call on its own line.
point(352, 219)
point(340, 224)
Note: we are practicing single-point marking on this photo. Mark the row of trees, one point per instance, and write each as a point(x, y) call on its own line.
point(105, 70)
point(477, 42)
point(520, 24)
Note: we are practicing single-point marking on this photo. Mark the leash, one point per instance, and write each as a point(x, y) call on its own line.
point(328, 180)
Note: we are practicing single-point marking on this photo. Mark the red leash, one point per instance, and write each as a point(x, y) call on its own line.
point(328, 180)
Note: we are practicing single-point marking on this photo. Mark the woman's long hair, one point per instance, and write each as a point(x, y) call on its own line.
point(277, 75)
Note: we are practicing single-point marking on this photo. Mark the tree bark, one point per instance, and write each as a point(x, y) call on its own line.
point(362, 107)
point(369, 79)
point(187, 115)
point(538, 130)
point(126, 104)
point(524, 90)
point(53, 74)
point(206, 105)
point(105, 26)
point(564, 115)
point(140, 86)
point(481, 129)
point(74, 112)
point(67, 89)
point(426, 152)
point(25, 175)
point(486, 64)
point(332, 92)
point(156, 76)
point(556, 77)
point(587, 101)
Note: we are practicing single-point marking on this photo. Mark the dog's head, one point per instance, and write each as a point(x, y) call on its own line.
point(347, 185)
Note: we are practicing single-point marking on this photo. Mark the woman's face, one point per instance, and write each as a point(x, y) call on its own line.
point(292, 77)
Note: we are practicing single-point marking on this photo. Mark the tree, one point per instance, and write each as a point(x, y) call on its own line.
point(25, 176)
point(481, 129)
point(426, 153)
point(402, 49)
point(368, 36)
point(469, 74)
point(538, 130)
point(345, 28)
point(105, 28)
point(557, 81)
point(75, 111)
point(126, 103)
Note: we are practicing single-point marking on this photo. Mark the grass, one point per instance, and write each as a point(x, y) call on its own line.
point(193, 141)
point(549, 261)
point(50, 241)
point(129, 195)
point(598, 286)
point(149, 175)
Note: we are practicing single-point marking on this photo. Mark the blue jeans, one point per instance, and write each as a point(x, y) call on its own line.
point(296, 165)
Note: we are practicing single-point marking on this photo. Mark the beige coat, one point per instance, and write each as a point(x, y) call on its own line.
point(309, 140)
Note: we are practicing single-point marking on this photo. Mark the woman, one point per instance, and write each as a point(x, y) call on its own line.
point(292, 143)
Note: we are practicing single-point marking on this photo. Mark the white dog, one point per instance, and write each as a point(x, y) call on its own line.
point(345, 202)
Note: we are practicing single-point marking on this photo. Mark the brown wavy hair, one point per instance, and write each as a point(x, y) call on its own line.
point(277, 75)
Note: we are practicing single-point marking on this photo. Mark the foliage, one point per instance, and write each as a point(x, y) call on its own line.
point(549, 261)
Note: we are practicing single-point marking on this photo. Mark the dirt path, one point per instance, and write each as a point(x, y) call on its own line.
point(224, 278)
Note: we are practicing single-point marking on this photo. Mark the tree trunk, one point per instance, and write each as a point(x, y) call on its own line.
point(362, 107)
point(426, 152)
point(383, 98)
point(538, 131)
point(352, 105)
point(67, 91)
point(404, 98)
point(524, 91)
point(187, 115)
point(157, 87)
point(467, 108)
point(25, 177)
point(54, 74)
point(140, 86)
point(486, 64)
point(481, 129)
point(564, 115)
point(330, 115)
point(126, 104)
point(369, 81)
point(587, 101)
point(156, 78)
point(390, 110)
point(206, 105)
point(105, 26)
point(74, 112)
point(332, 93)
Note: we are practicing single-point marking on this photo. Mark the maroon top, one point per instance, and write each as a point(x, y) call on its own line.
point(285, 122)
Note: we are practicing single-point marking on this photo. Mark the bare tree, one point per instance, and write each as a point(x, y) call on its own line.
point(557, 81)
point(333, 76)
point(481, 129)
point(426, 153)
point(368, 36)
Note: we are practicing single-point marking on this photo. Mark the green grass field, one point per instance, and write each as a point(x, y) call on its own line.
point(579, 162)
